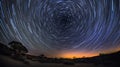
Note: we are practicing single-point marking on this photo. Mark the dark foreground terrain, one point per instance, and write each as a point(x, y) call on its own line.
point(9, 59)
point(8, 62)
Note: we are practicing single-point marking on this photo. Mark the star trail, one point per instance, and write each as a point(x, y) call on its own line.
point(45, 26)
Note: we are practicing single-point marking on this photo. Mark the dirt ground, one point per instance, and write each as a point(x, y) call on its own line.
point(9, 62)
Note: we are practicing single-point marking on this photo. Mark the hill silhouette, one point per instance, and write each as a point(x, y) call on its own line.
point(109, 60)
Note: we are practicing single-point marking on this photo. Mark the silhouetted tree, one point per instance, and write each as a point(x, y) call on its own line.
point(42, 56)
point(18, 47)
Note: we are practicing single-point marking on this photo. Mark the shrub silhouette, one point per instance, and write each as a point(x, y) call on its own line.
point(18, 47)
point(42, 56)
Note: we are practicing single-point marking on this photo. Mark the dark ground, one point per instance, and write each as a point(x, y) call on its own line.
point(9, 60)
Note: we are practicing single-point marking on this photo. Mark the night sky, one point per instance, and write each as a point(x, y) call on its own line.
point(62, 28)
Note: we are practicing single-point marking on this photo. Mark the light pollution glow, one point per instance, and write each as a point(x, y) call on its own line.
point(75, 54)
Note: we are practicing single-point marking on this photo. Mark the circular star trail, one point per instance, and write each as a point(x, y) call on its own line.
point(88, 25)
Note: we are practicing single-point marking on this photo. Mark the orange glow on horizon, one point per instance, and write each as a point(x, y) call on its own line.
point(76, 55)
point(73, 53)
